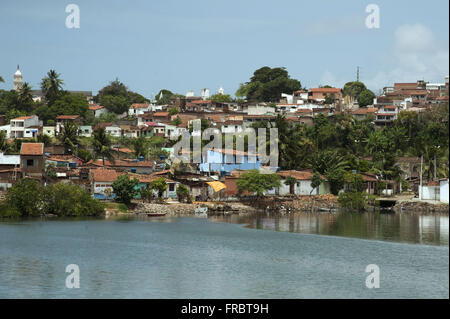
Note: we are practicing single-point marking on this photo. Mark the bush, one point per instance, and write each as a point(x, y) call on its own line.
point(125, 188)
point(27, 198)
point(183, 194)
point(353, 200)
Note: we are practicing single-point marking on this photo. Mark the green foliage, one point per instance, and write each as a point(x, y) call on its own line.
point(65, 104)
point(365, 98)
point(173, 111)
point(316, 181)
point(101, 145)
point(51, 86)
point(183, 194)
point(267, 84)
point(356, 201)
point(115, 104)
point(159, 185)
point(176, 121)
point(163, 97)
point(27, 198)
point(69, 137)
point(140, 146)
point(353, 89)
point(255, 182)
point(125, 188)
point(221, 98)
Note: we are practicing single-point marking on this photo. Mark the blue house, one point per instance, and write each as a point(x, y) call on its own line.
point(226, 161)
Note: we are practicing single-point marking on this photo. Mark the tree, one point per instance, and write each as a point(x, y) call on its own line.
point(291, 181)
point(159, 185)
point(163, 97)
point(51, 86)
point(267, 84)
point(125, 188)
point(365, 98)
point(1, 80)
point(115, 104)
point(101, 145)
point(69, 137)
point(177, 121)
point(221, 98)
point(24, 198)
point(4, 145)
point(173, 111)
point(140, 146)
point(316, 181)
point(353, 89)
point(183, 194)
point(25, 98)
point(255, 182)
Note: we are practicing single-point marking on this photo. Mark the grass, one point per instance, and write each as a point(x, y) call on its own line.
point(117, 206)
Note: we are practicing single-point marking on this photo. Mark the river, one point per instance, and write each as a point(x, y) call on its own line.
point(301, 256)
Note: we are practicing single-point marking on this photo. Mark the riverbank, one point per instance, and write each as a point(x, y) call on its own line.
point(421, 206)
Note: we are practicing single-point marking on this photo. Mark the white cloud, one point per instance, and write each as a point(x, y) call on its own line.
point(414, 55)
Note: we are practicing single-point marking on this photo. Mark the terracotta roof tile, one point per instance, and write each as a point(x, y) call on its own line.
point(32, 149)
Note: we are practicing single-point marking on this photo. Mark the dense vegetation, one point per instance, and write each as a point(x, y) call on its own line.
point(27, 198)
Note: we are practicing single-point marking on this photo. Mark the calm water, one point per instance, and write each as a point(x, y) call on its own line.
point(199, 258)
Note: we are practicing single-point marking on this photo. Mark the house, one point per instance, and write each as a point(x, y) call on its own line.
point(320, 94)
point(101, 182)
point(364, 113)
point(231, 127)
point(32, 161)
point(139, 109)
point(85, 131)
point(68, 161)
point(443, 193)
point(145, 180)
point(225, 161)
point(9, 161)
point(113, 130)
point(302, 185)
point(139, 166)
point(49, 131)
point(98, 110)
point(6, 129)
point(386, 114)
point(25, 127)
point(61, 120)
point(199, 106)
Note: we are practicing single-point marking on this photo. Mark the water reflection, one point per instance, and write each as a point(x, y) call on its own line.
point(399, 227)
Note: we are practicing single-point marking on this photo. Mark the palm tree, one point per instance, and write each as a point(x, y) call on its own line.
point(140, 146)
point(51, 86)
point(25, 97)
point(69, 137)
point(102, 145)
point(1, 80)
point(4, 146)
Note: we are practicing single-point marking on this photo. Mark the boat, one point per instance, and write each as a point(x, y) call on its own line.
point(156, 214)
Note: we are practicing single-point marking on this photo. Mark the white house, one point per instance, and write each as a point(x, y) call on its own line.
point(302, 185)
point(85, 130)
point(443, 194)
point(139, 109)
point(6, 129)
point(98, 110)
point(113, 130)
point(25, 127)
point(49, 131)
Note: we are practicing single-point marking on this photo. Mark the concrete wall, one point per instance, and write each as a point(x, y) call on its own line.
point(444, 191)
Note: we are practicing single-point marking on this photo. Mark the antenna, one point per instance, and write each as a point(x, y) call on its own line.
point(357, 74)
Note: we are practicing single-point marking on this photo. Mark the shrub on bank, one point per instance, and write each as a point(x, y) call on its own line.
point(27, 198)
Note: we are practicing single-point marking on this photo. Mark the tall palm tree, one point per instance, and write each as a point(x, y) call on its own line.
point(25, 97)
point(69, 137)
point(102, 145)
point(51, 86)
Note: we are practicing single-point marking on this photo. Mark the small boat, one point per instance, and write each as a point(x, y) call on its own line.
point(156, 214)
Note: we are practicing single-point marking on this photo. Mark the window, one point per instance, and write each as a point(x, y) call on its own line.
point(171, 187)
point(30, 162)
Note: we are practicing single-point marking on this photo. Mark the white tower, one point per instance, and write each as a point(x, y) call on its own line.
point(190, 94)
point(205, 94)
point(18, 81)
point(221, 91)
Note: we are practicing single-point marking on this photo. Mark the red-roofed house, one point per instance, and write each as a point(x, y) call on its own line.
point(32, 159)
point(61, 120)
point(302, 185)
point(319, 94)
point(98, 110)
point(139, 109)
point(25, 127)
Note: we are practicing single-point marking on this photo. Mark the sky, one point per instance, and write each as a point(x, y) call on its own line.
point(184, 45)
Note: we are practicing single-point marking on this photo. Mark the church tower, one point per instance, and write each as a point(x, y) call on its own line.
point(18, 81)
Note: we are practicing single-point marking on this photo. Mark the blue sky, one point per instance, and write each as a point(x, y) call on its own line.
point(188, 45)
